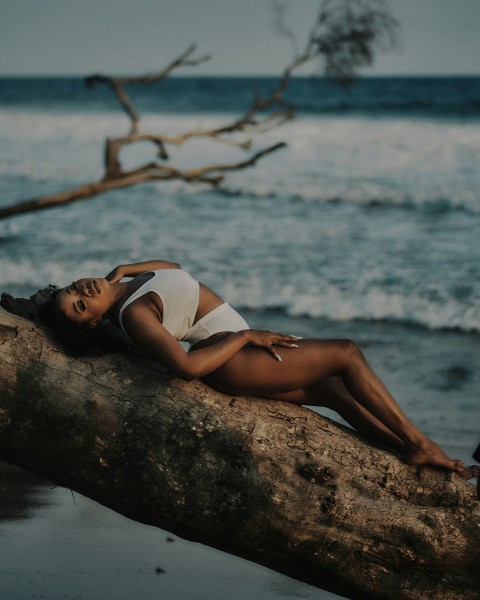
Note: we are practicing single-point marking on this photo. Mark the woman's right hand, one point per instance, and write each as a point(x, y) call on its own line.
point(116, 275)
point(269, 339)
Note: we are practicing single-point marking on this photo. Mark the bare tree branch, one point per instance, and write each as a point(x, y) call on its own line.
point(280, 9)
point(210, 174)
point(345, 36)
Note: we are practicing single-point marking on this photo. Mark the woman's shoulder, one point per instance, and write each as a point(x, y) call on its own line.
point(142, 314)
point(136, 300)
point(139, 306)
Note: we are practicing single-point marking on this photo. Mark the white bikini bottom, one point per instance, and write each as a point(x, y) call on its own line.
point(222, 318)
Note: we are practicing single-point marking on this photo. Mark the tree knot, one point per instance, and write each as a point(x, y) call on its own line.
point(322, 475)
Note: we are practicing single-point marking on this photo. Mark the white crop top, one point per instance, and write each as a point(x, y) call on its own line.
point(179, 293)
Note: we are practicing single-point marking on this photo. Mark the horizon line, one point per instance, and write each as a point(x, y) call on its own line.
point(237, 75)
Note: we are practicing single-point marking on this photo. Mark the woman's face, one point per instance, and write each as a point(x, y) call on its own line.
point(85, 300)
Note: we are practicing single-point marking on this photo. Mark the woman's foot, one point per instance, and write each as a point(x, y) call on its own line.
point(472, 472)
point(428, 453)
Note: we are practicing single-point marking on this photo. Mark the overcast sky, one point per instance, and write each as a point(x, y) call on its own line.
point(80, 37)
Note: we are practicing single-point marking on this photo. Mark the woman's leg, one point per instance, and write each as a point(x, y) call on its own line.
point(332, 394)
point(253, 371)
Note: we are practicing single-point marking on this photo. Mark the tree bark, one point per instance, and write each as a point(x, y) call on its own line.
point(269, 481)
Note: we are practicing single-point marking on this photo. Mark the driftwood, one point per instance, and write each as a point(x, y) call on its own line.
point(344, 36)
point(269, 481)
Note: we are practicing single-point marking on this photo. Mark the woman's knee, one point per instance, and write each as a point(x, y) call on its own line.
point(351, 353)
point(335, 357)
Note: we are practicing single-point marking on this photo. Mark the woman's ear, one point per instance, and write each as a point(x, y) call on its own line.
point(96, 322)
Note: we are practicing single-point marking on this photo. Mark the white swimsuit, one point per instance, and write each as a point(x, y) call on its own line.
point(179, 294)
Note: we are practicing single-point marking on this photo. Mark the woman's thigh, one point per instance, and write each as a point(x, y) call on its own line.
point(254, 371)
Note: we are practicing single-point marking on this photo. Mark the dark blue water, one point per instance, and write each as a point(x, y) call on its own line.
point(409, 96)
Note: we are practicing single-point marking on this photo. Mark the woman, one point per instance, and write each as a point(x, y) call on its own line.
point(162, 304)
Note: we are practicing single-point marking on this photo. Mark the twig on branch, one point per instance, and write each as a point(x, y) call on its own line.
point(348, 32)
point(198, 173)
point(117, 83)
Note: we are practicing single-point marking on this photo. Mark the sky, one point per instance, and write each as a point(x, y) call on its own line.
point(80, 37)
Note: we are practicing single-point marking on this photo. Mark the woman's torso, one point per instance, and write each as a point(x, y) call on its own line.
point(173, 303)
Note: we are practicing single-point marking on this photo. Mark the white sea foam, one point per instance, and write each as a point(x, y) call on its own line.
point(27, 274)
point(335, 304)
point(417, 157)
point(328, 300)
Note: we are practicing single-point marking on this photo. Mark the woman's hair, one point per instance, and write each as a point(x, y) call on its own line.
point(77, 339)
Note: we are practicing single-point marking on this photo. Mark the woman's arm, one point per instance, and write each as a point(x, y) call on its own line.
point(122, 271)
point(145, 330)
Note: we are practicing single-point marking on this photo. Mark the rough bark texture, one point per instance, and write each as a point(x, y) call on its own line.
point(269, 481)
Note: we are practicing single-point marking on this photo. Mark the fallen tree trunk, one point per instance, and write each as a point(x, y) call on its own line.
point(269, 481)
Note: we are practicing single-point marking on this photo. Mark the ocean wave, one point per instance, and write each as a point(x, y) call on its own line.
point(374, 304)
point(469, 203)
point(29, 276)
point(429, 320)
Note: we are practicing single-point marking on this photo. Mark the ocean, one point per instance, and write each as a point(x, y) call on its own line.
point(365, 226)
